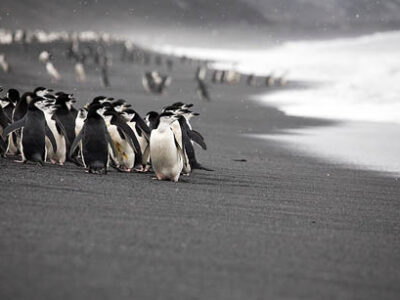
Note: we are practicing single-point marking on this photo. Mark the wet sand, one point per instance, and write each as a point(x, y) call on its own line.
point(267, 223)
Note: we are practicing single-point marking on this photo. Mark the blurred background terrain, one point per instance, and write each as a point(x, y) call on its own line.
point(199, 22)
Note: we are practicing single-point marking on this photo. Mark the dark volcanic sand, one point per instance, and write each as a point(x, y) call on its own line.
point(277, 225)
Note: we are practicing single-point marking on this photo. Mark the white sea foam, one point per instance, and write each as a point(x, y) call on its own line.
point(360, 77)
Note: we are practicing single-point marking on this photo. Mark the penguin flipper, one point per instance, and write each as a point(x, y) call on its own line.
point(143, 126)
point(131, 137)
point(197, 138)
point(4, 120)
point(179, 136)
point(62, 128)
point(50, 135)
point(109, 141)
point(138, 130)
point(76, 142)
point(3, 146)
point(14, 126)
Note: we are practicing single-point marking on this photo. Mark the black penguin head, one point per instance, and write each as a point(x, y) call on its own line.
point(82, 113)
point(13, 95)
point(37, 103)
point(128, 114)
point(165, 117)
point(101, 99)
point(41, 91)
point(94, 109)
point(151, 115)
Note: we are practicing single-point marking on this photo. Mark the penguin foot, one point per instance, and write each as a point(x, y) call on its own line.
point(141, 169)
point(20, 161)
point(53, 162)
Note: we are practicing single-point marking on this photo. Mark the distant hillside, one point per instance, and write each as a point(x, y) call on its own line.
point(118, 14)
point(215, 20)
point(330, 13)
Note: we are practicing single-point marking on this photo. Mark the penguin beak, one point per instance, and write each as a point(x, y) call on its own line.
point(195, 114)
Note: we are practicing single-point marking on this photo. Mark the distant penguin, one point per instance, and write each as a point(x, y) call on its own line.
point(217, 76)
point(95, 141)
point(270, 80)
point(4, 63)
point(80, 73)
point(155, 82)
point(201, 73)
point(170, 64)
point(104, 71)
point(166, 149)
point(251, 80)
point(282, 80)
point(52, 71)
point(44, 56)
point(34, 130)
point(202, 91)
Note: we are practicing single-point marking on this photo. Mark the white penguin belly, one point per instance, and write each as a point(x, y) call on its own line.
point(125, 156)
point(165, 157)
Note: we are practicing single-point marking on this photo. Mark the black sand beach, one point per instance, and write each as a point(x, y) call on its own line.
point(268, 223)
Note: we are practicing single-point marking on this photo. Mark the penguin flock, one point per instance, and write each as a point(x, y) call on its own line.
point(43, 126)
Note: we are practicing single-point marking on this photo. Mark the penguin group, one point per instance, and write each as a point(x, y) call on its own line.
point(44, 126)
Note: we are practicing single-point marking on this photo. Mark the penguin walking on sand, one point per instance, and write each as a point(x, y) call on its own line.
point(95, 141)
point(5, 66)
point(34, 130)
point(155, 82)
point(80, 73)
point(104, 71)
point(45, 57)
point(201, 73)
point(270, 80)
point(251, 80)
point(202, 90)
point(189, 135)
point(166, 148)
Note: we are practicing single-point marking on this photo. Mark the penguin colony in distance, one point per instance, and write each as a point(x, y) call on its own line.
point(44, 126)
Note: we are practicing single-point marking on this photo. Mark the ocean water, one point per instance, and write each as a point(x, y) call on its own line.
point(357, 82)
point(356, 78)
